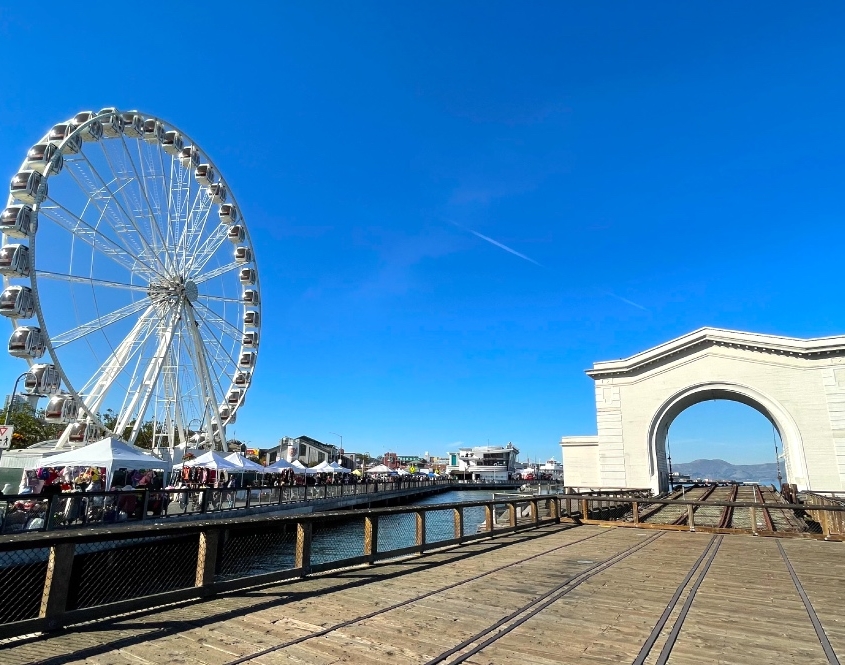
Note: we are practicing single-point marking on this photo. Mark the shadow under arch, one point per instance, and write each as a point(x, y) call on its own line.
point(790, 435)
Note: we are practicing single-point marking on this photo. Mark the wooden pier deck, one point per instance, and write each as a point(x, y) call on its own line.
point(560, 594)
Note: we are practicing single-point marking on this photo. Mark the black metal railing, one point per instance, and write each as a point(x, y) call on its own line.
point(49, 580)
point(34, 512)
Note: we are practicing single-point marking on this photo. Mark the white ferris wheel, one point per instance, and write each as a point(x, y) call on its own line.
point(126, 260)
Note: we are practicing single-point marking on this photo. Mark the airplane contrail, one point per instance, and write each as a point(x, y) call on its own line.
point(625, 300)
point(530, 260)
point(499, 245)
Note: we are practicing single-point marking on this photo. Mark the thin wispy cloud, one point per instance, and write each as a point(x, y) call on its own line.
point(497, 244)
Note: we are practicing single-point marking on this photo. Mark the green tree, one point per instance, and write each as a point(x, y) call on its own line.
point(30, 426)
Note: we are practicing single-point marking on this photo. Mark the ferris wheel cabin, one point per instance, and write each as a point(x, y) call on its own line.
point(250, 339)
point(112, 122)
point(217, 192)
point(93, 130)
point(62, 131)
point(133, 125)
point(190, 157)
point(153, 131)
point(18, 221)
point(14, 260)
point(247, 276)
point(43, 157)
point(172, 143)
point(252, 319)
point(42, 379)
point(228, 214)
point(17, 302)
point(61, 409)
point(204, 175)
point(242, 379)
point(28, 187)
point(27, 342)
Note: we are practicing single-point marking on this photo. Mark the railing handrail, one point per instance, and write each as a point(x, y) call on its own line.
point(26, 540)
point(695, 502)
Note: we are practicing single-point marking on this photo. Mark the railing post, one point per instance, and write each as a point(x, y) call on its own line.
point(825, 521)
point(204, 501)
point(554, 509)
point(420, 515)
point(753, 520)
point(302, 559)
point(371, 538)
point(207, 558)
point(57, 585)
point(585, 511)
point(146, 503)
point(488, 517)
point(635, 506)
point(535, 512)
point(459, 523)
point(512, 515)
point(691, 517)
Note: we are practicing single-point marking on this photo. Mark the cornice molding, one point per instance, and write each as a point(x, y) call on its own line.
point(708, 337)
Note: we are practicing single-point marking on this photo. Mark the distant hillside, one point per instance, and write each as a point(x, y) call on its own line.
point(719, 469)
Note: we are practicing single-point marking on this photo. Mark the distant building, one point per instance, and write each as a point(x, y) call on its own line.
point(483, 463)
point(552, 469)
point(309, 451)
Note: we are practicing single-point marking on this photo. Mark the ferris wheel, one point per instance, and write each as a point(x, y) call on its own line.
point(126, 260)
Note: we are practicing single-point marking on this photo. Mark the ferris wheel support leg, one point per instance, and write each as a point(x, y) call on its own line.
point(109, 372)
point(150, 379)
point(205, 378)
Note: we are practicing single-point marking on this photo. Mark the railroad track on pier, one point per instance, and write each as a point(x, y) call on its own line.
point(767, 516)
point(505, 625)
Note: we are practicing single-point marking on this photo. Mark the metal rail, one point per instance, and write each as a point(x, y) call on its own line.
point(404, 603)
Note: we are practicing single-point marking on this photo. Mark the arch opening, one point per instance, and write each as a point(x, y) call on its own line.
point(724, 439)
point(789, 438)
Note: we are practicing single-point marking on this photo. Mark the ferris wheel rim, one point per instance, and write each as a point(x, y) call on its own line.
point(38, 310)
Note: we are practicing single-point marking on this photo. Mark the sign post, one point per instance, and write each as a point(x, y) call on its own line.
point(6, 432)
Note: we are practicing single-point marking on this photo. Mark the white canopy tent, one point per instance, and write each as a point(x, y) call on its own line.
point(110, 453)
point(322, 467)
point(279, 465)
point(337, 468)
point(245, 464)
point(211, 460)
point(381, 468)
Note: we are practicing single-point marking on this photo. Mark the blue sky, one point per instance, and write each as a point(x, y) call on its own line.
point(658, 167)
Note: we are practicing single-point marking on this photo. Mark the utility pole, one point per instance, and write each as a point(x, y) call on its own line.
point(669, 454)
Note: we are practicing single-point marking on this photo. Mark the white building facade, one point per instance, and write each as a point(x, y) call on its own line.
point(798, 384)
point(484, 463)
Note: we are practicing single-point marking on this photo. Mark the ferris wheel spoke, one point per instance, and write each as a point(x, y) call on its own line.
point(98, 386)
point(206, 296)
point(101, 196)
point(159, 245)
point(144, 393)
point(97, 240)
point(200, 255)
point(79, 279)
point(220, 349)
point(207, 388)
point(208, 315)
point(222, 270)
point(98, 324)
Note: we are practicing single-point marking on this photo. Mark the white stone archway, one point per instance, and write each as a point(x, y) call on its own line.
point(799, 385)
point(790, 435)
